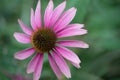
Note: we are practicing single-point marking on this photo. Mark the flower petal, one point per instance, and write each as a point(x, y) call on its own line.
point(71, 32)
point(33, 24)
point(75, 26)
point(62, 64)
point(20, 37)
point(65, 19)
point(38, 68)
point(73, 43)
point(32, 64)
point(57, 12)
point(68, 54)
point(48, 13)
point(25, 28)
point(24, 53)
point(38, 18)
point(54, 67)
point(76, 65)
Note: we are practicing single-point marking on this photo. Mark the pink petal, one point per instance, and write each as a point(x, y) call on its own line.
point(71, 32)
point(33, 23)
point(57, 12)
point(62, 64)
point(38, 19)
point(32, 65)
point(48, 13)
point(75, 64)
point(68, 54)
point(65, 19)
point(25, 28)
point(54, 67)
point(20, 37)
point(75, 26)
point(24, 53)
point(38, 68)
point(73, 43)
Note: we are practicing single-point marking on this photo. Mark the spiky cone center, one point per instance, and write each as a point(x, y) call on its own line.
point(43, 40)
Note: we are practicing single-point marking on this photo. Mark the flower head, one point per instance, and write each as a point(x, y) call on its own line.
point(44, 38)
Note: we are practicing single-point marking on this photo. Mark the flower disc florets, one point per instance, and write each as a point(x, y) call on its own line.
point(43, 40)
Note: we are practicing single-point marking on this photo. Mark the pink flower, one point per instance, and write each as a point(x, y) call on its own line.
point(45, 40)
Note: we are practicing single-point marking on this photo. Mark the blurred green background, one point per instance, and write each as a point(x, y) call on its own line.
point(100, 62)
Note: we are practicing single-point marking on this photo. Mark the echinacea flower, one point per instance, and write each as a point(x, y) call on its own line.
point(45, 40)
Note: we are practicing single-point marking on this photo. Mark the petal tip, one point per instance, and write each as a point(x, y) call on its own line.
point(64, 2)
point(74, 8)
point(18, 20)
point(69, 76)
point(16, 57)
point(83, 25)
point(38, 2)
point(15, 33)
point(87, 46)
point(28, 72)
point(78, 67)
point(86, 31)
point(32, 10)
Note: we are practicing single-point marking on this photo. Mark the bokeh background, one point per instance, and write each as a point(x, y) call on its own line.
point(99, 62)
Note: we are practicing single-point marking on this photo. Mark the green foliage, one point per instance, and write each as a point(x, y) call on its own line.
point(101, 18)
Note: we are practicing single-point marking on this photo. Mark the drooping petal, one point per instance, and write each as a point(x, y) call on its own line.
point(33, 23)
point(57, 12)
point(32, 64)
point(73, 43)
point(61, 64)
point(25, 28)
point(24, 53)
point(71, 32)
point(38, 68)
point(22, 38)
point(68, 54)
point(54, 67)
point(65, 19)
point(48, 13)
point(38, 18)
